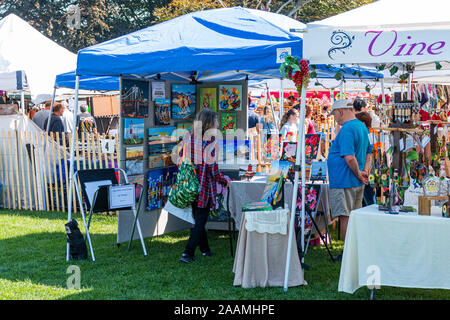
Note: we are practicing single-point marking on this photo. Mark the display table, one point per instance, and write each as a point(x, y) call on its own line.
point(244, 192)
point(260, 259)
point(402, 250)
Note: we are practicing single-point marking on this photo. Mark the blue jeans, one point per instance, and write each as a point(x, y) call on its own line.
point(369, 196)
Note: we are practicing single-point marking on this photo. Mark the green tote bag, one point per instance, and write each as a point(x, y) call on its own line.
point(186, 188)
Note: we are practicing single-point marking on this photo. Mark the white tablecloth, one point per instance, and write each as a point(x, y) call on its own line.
point(405, 250)
point(245, 192)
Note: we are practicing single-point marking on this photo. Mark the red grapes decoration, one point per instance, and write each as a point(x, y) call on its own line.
point(297, 70)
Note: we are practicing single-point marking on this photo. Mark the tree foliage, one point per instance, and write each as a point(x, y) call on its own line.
point(101, 20)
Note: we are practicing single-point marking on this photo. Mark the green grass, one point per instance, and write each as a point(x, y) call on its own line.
point(33, 266)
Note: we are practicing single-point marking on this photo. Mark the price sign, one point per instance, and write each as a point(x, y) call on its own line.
point(122, 196)
point(108, 145)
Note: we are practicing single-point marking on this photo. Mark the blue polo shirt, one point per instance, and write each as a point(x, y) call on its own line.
point(352, 139)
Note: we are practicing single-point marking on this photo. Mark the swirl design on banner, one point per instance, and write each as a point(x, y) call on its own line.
point(341, 41)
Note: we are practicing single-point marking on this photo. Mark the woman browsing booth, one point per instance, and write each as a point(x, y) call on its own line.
point(288, 126)
point(202, 150)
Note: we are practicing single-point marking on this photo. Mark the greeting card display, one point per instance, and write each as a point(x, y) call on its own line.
point(228, 122)
point(272, 190)
point(208, 98)
point(133, 132)
point(134, 160)
point(183, 101)
point(162, 112)
point(134, 98)
point(230, 97)
point(159, 183)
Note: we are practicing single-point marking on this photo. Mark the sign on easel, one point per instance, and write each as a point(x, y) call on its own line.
point(122, 196)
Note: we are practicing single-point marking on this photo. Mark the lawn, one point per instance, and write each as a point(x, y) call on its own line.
point(33, 266)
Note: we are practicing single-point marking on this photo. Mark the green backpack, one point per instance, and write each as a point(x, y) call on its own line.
point(186, 188)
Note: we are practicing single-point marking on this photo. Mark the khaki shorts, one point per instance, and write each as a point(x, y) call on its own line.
point(343, 201)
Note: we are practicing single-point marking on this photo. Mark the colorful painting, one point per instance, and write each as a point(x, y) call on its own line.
point(208, 98)
point(159, 183)
point(161, 135)
point(228, 122)
point(278, 172)
point(133, 132)
point(312, 198)
point(134, 163)
point(135, 98)
point(138, 180)
point(230, 97)
point(182, 129)
point(312, 147)
point(234, 152)
point(183, 101)
point(160, 155)
point(318, 171)
point(162, 112)
point(271, 146)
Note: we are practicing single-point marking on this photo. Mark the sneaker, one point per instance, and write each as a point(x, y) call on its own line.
point(187, 258)
point(208, 254)
point(338, 258)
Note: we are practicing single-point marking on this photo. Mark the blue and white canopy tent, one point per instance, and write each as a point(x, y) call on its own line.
point(225, 44)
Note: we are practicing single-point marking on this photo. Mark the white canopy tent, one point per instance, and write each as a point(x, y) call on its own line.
point(24, 48)
point(413, 32)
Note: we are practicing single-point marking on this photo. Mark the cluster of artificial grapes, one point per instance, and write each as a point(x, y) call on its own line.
point(298, 79)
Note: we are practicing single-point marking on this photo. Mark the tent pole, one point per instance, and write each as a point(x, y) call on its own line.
point(341, 90)
point(22, 101)
point(51, 110)
point(72, 156)
point(409, 87)
point(383, 98)
point(281, 99)
point(300, 154)
point(271, 107)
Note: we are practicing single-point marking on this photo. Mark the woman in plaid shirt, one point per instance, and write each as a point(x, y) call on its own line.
point(202, 149)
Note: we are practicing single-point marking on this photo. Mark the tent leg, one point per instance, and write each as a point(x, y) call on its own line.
point(300, 152)
point(275, 118)
point(72, 156)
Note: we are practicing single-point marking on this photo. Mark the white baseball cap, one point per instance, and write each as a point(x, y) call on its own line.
point(341, 104)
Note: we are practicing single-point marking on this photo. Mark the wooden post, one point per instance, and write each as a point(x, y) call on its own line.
point(44, 170)
point(38, 171)
point(112, 155)
point(55, 174)
point(100, 162)
point(7, 201)
point(83, 139)
point(21, 144)
point(33, 172)
point(29, 165)
point(66, 174)
point(88, 144)
point(16, 171)
point(49, 167)
point(258, 152)
point(61, 184)
point(11, 171)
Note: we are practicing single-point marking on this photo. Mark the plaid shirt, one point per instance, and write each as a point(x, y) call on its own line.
point(203, 156)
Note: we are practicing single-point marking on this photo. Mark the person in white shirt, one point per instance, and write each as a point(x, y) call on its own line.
point(67, 118)
point(288, 125)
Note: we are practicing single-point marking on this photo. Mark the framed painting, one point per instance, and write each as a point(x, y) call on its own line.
point(134, 160)
point(183, 101)
point(230, 97)
point(208, 98)
point(162, 112)
point(228, 122)
point(135, 98)
point(159, 183)
point(160, 155)
point(133, 132)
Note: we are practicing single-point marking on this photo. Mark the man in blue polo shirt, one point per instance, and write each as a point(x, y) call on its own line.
point(349, 163)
